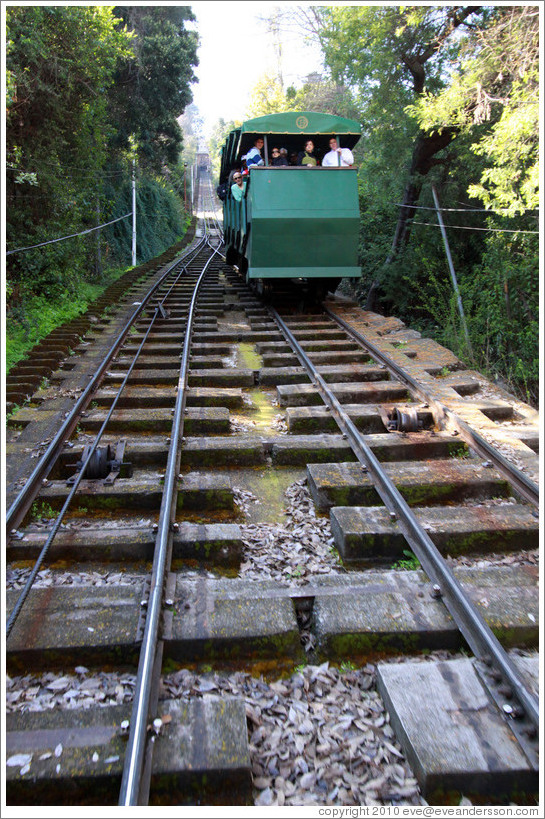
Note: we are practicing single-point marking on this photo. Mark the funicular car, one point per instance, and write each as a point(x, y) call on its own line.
point(294, 222)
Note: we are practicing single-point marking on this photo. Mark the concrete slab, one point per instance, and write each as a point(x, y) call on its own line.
point(335, 373)
point(229, 377)
point(231, 620)
point(63, 624)
point(319, 358)
point(216, 543)
point(304, 395)
point(361, 532)
point(452, 734)
point(201, 755)
point(201, 491)
point(294, 449)
point(154, 349)
point(302, 449)
point(368, 419)
point(305, 420)
point(280, 347)
point(144, 492)
point(86, 545)
point(199, 452)
point(213, 544)
point(420, 483)
point(197, 420)
point(365, 614)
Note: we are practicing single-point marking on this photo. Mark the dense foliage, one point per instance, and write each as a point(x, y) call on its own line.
point(89, 90)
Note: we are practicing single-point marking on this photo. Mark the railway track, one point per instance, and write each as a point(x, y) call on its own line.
point(272, 490)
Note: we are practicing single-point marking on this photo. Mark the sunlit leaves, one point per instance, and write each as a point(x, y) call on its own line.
point(497, 84)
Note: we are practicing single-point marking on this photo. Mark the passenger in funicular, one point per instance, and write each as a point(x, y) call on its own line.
point(238, 188)
point(307, 157)
point(278, 158)
point(337, 156)
point(253, 157)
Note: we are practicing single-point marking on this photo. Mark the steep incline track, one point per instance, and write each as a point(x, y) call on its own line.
point(224, 526)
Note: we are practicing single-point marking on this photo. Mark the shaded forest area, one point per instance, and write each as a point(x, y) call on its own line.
point(448, 99)
point(92, 92)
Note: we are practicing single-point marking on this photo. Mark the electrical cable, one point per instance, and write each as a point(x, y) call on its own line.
point(459, 210)
point(72, 235)
point(487, 230)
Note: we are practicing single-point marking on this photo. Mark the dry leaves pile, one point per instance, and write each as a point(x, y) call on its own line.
point(82, 689)
point(321, 737)
point(16, 579)
point(290, 553)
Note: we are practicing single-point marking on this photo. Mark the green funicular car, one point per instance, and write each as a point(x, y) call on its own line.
point(294, 222)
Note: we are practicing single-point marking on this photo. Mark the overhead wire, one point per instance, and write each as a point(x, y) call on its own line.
point(459, 210)
point(72, 236)
point(486, 230)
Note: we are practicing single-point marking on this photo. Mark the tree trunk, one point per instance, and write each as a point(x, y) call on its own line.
point(423, 159)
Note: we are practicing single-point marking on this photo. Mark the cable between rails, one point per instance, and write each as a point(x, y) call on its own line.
point(47, 459)
point(134, 755)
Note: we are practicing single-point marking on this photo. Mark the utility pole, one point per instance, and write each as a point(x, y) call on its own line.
point(451, 268)
point(134, 213)
point(99, 255)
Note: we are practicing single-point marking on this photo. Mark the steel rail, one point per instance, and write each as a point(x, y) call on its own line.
point(130, 791)
point(521, 482)
point(25, 497)
point(474, 629)
point(60, 517)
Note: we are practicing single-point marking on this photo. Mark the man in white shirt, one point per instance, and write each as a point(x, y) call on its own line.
point(331, 159)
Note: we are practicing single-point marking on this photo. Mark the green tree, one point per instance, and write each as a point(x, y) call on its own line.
point(70, 132)
point(216, 141)
point(497, 83)
point(321, 94)
point(267, 97)
point(60, 67)
point(392, 55)
point(153, 84)
point(492, 101)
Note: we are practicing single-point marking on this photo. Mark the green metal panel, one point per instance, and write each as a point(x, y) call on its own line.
point(303, 218)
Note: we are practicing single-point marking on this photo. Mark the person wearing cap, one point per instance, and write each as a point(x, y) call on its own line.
point(238, 188)
point(331, 159)
point(278, 158)
point(253, 157)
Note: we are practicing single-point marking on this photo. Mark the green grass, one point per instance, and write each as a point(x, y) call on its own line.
point(38, 316)
point(411, 563)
